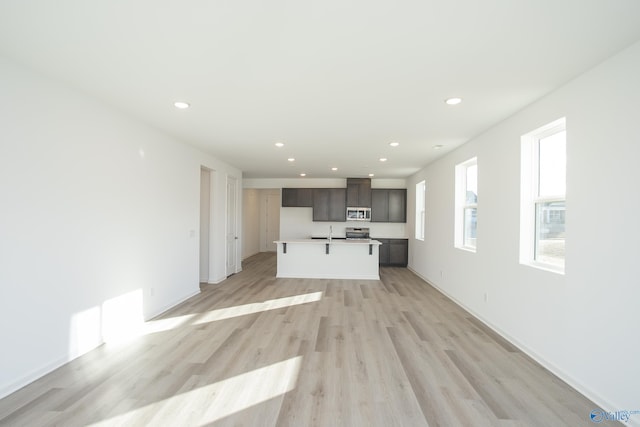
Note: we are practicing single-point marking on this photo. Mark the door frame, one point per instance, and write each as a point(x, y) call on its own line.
point(231, 227)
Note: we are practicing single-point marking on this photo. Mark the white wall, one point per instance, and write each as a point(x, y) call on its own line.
point(97, 209)
point(582, 325)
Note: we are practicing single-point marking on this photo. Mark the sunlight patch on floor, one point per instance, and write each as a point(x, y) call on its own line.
point(242, 310)
point(209, 403)
point(162, 325)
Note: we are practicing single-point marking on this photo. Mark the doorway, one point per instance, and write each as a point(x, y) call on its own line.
point(232, 229)
point(260, 219)
point(205, 222)
point(272, 222)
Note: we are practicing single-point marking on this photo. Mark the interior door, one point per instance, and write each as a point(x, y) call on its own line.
point(232, 229)
point(205, 221)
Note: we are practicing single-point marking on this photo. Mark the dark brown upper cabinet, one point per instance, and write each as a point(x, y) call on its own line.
point(330, 204)
point(388, 205)
point(297, 197)
point(359, 192)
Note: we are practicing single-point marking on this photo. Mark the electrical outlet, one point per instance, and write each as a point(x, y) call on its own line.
point(486, 297)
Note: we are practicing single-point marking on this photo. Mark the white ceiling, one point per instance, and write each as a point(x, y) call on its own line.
point(335, 80)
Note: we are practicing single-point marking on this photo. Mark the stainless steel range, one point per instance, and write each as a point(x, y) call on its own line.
point(357, 233)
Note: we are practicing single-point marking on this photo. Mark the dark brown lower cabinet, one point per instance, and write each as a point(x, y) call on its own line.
point(394, 252)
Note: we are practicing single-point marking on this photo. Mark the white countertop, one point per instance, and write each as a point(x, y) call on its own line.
point(332, 241)
point(377, 236)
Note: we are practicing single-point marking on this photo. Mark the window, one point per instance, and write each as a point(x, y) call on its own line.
point(466, 215)
point(420, 209)
point(543, 187)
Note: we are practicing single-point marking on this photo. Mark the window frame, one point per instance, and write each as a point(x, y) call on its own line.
point(462, 205)
point(531, 199)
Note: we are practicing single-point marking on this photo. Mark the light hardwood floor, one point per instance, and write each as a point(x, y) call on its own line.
point(260, 351)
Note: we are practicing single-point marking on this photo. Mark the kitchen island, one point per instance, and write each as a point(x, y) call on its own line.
point(328, 259)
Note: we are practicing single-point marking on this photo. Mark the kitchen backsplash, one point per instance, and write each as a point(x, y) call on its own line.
point(297, 223)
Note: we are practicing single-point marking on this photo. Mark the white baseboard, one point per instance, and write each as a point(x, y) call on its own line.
point(7, 389)
point(244, 257)
point(600, 401)
point(12, 387)
point(158, 312)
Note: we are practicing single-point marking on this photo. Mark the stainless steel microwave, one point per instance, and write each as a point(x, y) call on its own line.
point(358, 214)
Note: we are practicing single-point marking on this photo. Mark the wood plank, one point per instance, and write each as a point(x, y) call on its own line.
point(366, 353)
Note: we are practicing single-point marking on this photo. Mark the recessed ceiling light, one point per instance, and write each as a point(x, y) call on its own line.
point(334, 169)
point(394, 144)
point(453, 101)
point(437, 147)
point(303, 174)
point(383, 159)
point(181, 105)
point(371, 174)
point(279, 144)
point(291, 159)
